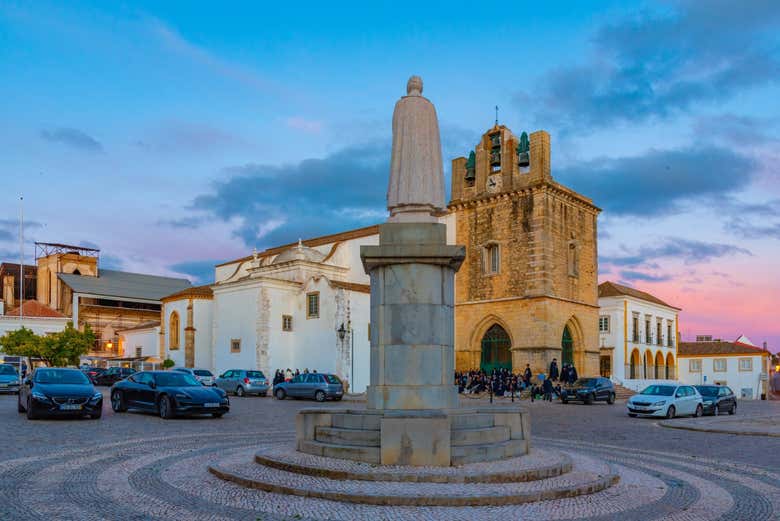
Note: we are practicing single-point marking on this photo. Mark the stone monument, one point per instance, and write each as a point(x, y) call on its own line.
point(412, 415)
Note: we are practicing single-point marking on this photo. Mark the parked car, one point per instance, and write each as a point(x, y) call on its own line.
point(53, 391)
point(9, 379)
point(204, 376)
point(93, 372)
point(169, 394)
point(319, 386)
point(243, 381)
point(589, 390)
point(717, 399)
point(668, 400)
point(113, 375)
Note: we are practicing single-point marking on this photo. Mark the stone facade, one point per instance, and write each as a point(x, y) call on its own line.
point(543, 234)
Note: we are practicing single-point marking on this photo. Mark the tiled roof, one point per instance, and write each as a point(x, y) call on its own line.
point(143, 325)
point(351, 286)
point(613, 289)
point(317, 241)
point(33, 308)
point(112, 283)
point(717, 348)
point(193, 292)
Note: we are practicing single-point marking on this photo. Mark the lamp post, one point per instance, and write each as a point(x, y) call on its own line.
point(342, 331)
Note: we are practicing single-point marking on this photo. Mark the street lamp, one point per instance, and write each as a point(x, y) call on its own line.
point(342, 333)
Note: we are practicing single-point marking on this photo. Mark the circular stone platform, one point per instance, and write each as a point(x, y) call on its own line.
point(545, 475)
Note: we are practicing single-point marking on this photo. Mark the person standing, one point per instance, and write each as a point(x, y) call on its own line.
point(527, 374)
point(572, 374)
point(554, 369)
point(547, 389)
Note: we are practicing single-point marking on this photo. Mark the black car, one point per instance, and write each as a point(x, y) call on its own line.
point(93, 372)
point(52, 391)
point(589, 390)
point(113, 375)
point(168, 393)
point(717, 399)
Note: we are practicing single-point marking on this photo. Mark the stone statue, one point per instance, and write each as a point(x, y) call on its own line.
point(415, 192)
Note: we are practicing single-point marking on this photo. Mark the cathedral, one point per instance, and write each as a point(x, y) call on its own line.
point(525, 294)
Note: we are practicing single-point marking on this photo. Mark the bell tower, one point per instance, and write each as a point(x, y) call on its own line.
point(530, 273)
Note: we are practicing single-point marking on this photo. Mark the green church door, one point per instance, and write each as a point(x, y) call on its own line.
point(567, 347)
point(495, 350)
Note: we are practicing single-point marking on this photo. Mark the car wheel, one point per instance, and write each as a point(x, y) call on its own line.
point(118, 402)
point(263, 394)
point(239, 391)
point(96, 415)
point(280, 394)
point(733, 409)
point(632, 415)
point(30, 413)
point(588, 399)
point(564, 401)
point(217, 414)
point(166, 408)
point(611, 398)
point(699, 411)
point(19, 405)
point(319, 396)
point(670, 412)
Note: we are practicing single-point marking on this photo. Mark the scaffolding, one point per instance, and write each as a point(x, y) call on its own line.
point(44, 249)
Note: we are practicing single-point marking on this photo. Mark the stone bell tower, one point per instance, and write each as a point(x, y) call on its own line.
point(527, 290)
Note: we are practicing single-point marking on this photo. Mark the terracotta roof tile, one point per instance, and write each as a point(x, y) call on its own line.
point(195, 291)
point(717, 348)
point(613, 289)
point(33, 308)
point(351, 286)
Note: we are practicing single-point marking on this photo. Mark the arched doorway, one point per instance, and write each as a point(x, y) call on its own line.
point(633, 374)
point(670, 367)
point(567, 347)
point(496, 352)
point(659, 365)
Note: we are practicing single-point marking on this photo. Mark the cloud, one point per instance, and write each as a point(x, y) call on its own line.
point(72, 137)
point(279, 204)
point(657, 182)
point(308, 126)
point(631, 275)
point(657, 65)
point(5, 235)
point(9, 228)
point(189, 222)
point(687, 250)
point(111, 262)
point(200, 271)
point(748, 230)
point(734, 129)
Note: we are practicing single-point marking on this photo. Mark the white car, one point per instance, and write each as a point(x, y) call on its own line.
point(204, 376)
point(666, 400)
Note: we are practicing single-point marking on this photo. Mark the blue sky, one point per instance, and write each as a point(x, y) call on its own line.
point(177, 134)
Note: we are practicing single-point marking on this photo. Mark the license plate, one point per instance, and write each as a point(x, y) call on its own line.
point(70, 407)
point(212, 405)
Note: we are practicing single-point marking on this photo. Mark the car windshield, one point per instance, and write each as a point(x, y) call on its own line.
point(60, 376)
point(707, 391)
point(7, 369)
point(332, 379)
point(255, 374)
point(176, 380)
point(202, 372)
point(585, 382)
point(659, 390)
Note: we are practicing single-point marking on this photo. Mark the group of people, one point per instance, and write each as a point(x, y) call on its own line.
point(285, 375)
point(502, 382)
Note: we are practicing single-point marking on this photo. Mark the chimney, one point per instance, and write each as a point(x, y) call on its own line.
point(8, 290)
point(765, 347)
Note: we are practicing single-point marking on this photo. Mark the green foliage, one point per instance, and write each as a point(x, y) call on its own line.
point(168, 363)
point(57, 349)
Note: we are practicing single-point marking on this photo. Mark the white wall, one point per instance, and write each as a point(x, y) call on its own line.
point(180, 306)
point(202, 321)
point(147, 339)
point(38, 325)
point(732, 377)
point(235, 317)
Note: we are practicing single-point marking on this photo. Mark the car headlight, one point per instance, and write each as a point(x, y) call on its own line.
point(96, 397)
point(658, 404)
point(707, 402)
point(40, 396)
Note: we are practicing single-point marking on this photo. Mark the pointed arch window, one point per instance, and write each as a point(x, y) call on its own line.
point(173, 331)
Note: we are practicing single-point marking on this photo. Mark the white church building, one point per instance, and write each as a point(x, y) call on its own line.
point(298, 306)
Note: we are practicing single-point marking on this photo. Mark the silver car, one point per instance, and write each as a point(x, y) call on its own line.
point(319, 386)
point(204, 376)
point(9, 379)
point(666, 400)
point(243, 381)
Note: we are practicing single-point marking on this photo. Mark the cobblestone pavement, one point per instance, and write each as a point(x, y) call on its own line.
point(138, 467)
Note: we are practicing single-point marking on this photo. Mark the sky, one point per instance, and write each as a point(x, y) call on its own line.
point(175, 135)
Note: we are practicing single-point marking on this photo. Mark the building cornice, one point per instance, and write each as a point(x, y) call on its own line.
point(533, 297)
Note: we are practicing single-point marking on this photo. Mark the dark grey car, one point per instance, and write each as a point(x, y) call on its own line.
point(317, 386)
point(9, 379)
point(243, 381)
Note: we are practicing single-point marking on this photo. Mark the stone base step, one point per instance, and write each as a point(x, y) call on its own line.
point(462, 454)
point(588, 476)
point(472, 421)
point(539, 464)
point(331, 450)
point(482, 436)
point(338, 436)
point(369, 422)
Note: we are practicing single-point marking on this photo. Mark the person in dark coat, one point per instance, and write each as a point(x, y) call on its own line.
point(527, 374)
point(554, 369)
point(547, 389)
point(572, 374)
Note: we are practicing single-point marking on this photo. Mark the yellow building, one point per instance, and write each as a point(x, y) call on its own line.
point(527, 291)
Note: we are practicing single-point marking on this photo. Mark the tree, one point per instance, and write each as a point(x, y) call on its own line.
point(57, 349)
point(168, 363)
